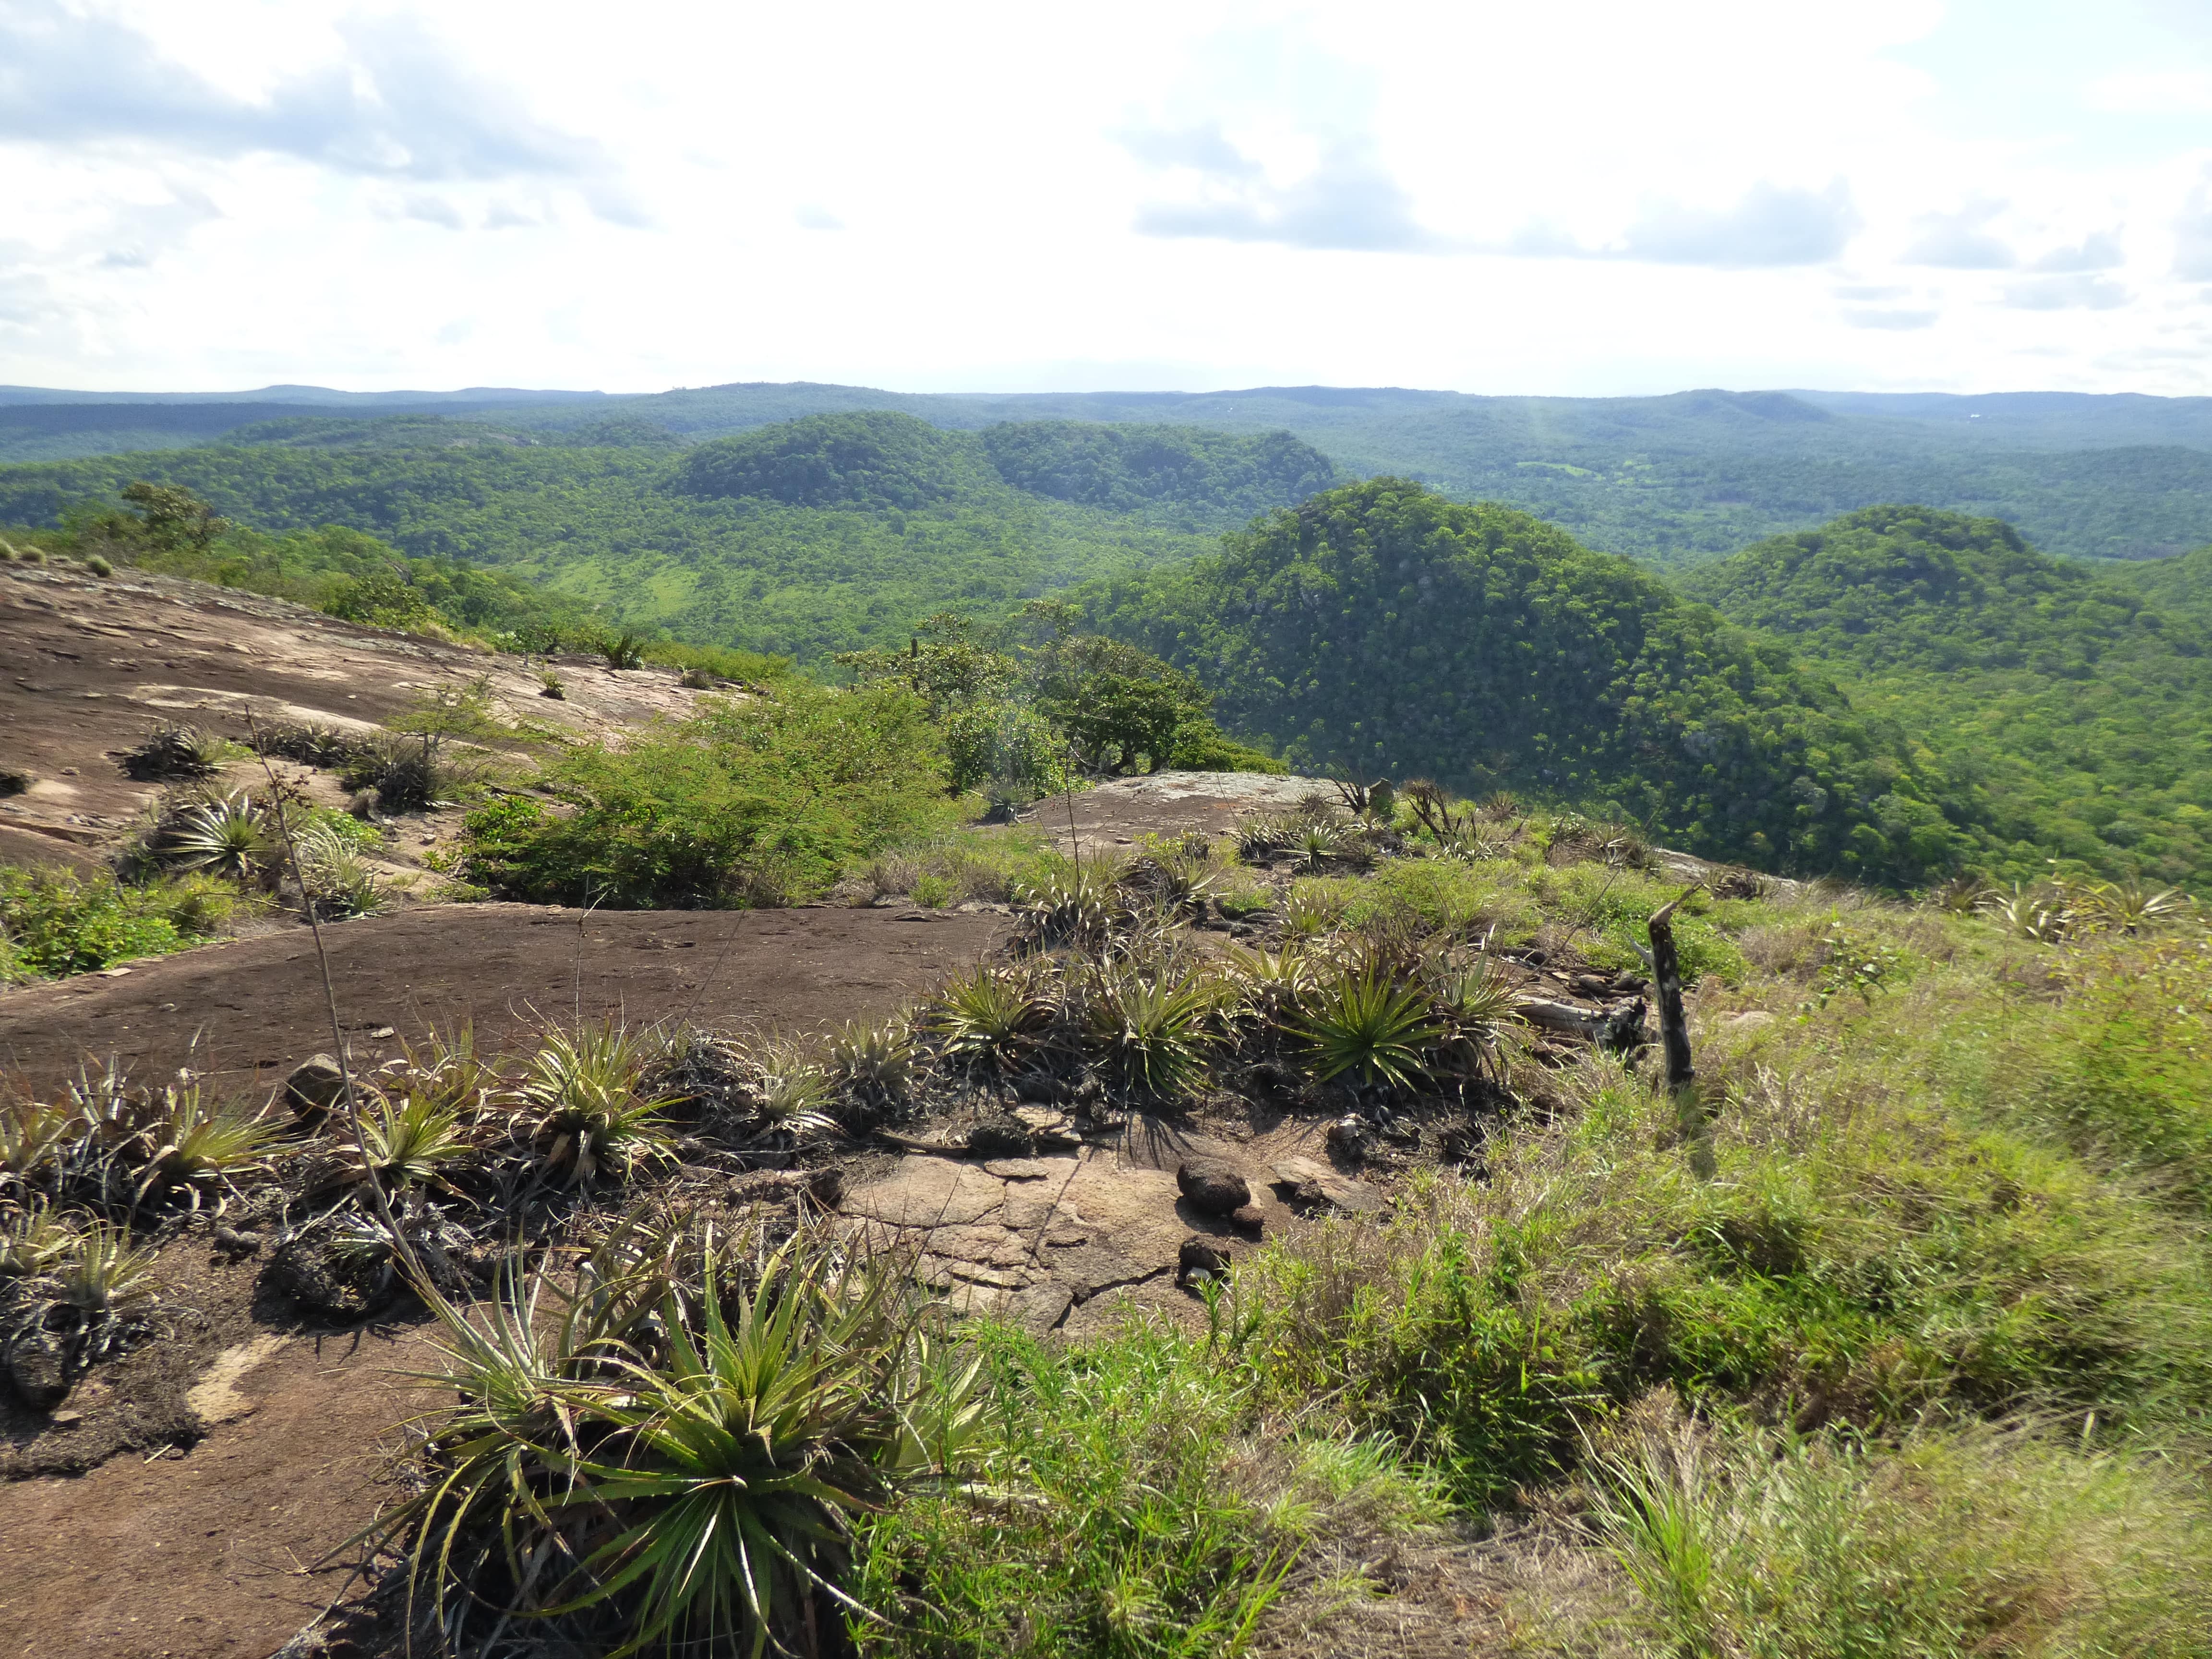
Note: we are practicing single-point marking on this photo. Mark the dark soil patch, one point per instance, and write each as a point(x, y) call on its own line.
point(243, 1014)
point(213, 1551)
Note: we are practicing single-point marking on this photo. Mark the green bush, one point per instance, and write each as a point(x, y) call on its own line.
point(56, 922)
point(744, 804)
point(1123, 1505)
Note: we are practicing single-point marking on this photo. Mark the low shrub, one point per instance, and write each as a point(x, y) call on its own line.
point(55, 922)
point(740, 804)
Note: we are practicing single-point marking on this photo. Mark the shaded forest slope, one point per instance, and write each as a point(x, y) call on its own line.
point(2062, 711)
point(1381, 628)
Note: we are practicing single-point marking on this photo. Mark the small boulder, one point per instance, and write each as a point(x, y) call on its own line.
point(1001, 1137)
point(317, 1084)
point(1199, 1260)
point(1347, 1138)
point(38, 1368)
point(1314, 1187)
point(1215, 1185)
point(1251, 1219)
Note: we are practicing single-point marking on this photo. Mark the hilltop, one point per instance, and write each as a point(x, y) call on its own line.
point(1381, 630)
point(2061, 710)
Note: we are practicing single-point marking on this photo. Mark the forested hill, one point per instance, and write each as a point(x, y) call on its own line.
point(1670, 479)
point(2062, 710)
point(825, 534)
point(1380, 627)
point(2182, 586)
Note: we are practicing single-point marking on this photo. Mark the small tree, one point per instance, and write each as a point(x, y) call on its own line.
point(1122, 707)
point(172, 518)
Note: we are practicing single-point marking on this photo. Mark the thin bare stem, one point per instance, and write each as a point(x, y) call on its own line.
point(399, 1240)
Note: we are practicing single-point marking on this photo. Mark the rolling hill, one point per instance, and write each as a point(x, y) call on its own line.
point(825, 534)
point(2062, 711)
point(1670, 480)
point(1381, 628)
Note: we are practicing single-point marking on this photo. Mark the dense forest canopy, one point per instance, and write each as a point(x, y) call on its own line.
point(1381, 628)
point(833, 533)
point(1669, 479)
point(2063, 712)
point(1126, 469)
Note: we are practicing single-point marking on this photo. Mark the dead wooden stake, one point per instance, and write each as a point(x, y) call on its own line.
point(1667, 972)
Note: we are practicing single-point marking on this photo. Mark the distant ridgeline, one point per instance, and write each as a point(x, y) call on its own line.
point(2058, 709)
point(1381, 628)
point(1670, 480)
point(826, 534)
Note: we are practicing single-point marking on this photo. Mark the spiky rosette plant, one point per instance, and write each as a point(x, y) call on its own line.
point(229, 837)
point(1151, 1025)
point(686, 1482)
point(1363, 1021)
point(593, 1115)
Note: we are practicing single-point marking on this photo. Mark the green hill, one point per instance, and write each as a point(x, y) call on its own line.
point(1670, 480)
point(2181, 585)
point(1381, 628)
point(831, 534)
point(2062, 710)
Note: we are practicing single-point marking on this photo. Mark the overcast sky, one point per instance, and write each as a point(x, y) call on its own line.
point(1600, 198)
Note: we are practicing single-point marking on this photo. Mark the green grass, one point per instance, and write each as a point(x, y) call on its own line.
point(1896, 1348)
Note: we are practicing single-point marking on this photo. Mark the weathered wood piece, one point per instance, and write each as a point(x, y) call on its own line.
point(1667, 975)
point(1614, 1027)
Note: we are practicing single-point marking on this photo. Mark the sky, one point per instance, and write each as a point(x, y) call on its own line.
point(1611, 198)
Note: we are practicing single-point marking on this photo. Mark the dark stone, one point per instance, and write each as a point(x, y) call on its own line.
point(1001, 1137)
point(1213, 1184)
point(826, 1185)
point(38, 1369)
point(1250, 1218)
point(1347, 1138)
point(1200, 1259)
point(317, 1084)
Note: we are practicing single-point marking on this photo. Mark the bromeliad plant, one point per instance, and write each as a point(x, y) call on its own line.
point(1151, 1025)
point(228, 837)
point(197, 1147)
point(1474, 1005)
point(996, 1017)
point(593, 1116)
point(1365, 1019)
point(1075, 903)
point(676, 1462)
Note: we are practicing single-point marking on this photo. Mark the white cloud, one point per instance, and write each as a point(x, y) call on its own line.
point(2192, 234)
point(2084, 292)
point(1960, 240)
point(1892, 318)
point(1208, 192)
point(1346, 201)
point(2151, 91)
point(2098, 250)
point(1770, 226)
